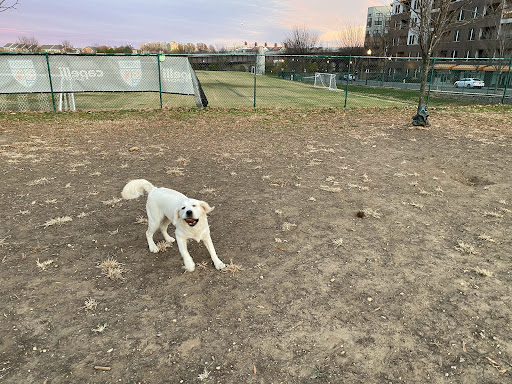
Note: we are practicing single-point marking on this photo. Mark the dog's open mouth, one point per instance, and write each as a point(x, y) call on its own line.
point(191, 221)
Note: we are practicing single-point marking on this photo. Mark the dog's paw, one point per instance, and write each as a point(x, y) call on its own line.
point(169, 239)
point(153, 248)
point(220, 266)
point(189, 268)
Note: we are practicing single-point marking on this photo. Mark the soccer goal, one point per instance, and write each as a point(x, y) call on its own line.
point(325, 80)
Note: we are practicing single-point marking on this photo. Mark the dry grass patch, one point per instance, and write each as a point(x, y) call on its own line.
point(288, 226)
point(183, 161)
point(328, 188)
point(113, 202)
point(3, 241)
point(232, 268)
point(43, 265)
point(141, 220)
point(465, 248)
point(40, 181)
point(368, 212)
point(204, 375)
point(90, 304)
point(112, 269)
point(413, 204)
point(493, 214)
point(57, 221)
point(337, 242)
point(359, 187)
point(208, 191)
point(176, 171)
point(162, 246)
point(484, 272)
point(487, 238)
point(314, 162)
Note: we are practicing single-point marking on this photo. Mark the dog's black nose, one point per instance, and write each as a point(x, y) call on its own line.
point(189, 213)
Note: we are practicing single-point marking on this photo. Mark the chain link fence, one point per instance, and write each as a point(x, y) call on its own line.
point(57, 82)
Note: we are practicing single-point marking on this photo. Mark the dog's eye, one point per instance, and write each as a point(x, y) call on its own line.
point(183, 208)
point(194, 205)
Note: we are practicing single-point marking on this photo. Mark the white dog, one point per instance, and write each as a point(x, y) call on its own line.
point(166, 206)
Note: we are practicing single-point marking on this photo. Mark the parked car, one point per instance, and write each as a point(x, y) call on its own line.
point(350, 77)
point(469, 83)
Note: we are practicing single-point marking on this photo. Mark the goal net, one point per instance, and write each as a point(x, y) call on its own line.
point(325, 80)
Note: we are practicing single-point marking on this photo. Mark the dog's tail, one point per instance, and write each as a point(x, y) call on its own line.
point(136, 188)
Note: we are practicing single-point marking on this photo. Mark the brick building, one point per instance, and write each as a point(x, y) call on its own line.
point(481, 29)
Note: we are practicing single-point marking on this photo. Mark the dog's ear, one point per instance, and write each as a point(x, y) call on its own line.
point(176, 217)
point(206, 207)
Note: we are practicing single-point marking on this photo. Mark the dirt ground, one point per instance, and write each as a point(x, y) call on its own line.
point(361, 249)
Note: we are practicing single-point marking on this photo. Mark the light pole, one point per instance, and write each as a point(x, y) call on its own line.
point(369, 53)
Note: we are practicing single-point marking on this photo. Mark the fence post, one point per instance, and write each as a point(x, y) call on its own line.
point(506, 82)
point(431, 79)
point(159, 80)
point(348, 79)
point(51, 85)
point(255, 70)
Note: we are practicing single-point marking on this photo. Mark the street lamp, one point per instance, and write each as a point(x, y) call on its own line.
point(369, 53)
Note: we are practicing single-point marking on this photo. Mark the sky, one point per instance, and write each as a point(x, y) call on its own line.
point(221, 23)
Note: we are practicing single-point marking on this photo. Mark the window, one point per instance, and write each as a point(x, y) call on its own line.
point(487, 33)
point(467, 55)
point(474, 13)
point(471, 34)
point(456, 35)
point(412, 40)
point(454, 54)
point(460, 16)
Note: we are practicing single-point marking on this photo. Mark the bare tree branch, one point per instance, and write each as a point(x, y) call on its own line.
point(301, 41)
point(4, 5)
point(351, 36)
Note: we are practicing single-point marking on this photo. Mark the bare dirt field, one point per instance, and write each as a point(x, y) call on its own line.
point(360, 249)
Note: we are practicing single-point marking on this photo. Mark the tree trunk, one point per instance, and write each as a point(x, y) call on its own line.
point(424, 75)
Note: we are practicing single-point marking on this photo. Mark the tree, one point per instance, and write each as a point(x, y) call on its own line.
point(430, 21)
point(30, 42)
point(124, 49)
point(202, 47)
point(190, 48)
point(105, 49)
point(67, 46)
point(6, 5)
point(301, 41)
point(351, 36)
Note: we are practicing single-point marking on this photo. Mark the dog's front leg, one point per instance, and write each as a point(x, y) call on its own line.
point(216, 261)
point(187, 259)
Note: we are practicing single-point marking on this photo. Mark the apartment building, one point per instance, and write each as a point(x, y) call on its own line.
point(377, 30)
point(481, 29)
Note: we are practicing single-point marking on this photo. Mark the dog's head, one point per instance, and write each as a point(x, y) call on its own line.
point(192, 211)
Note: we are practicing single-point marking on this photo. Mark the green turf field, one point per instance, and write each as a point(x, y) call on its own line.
point(236, 89)
point(222, 88)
